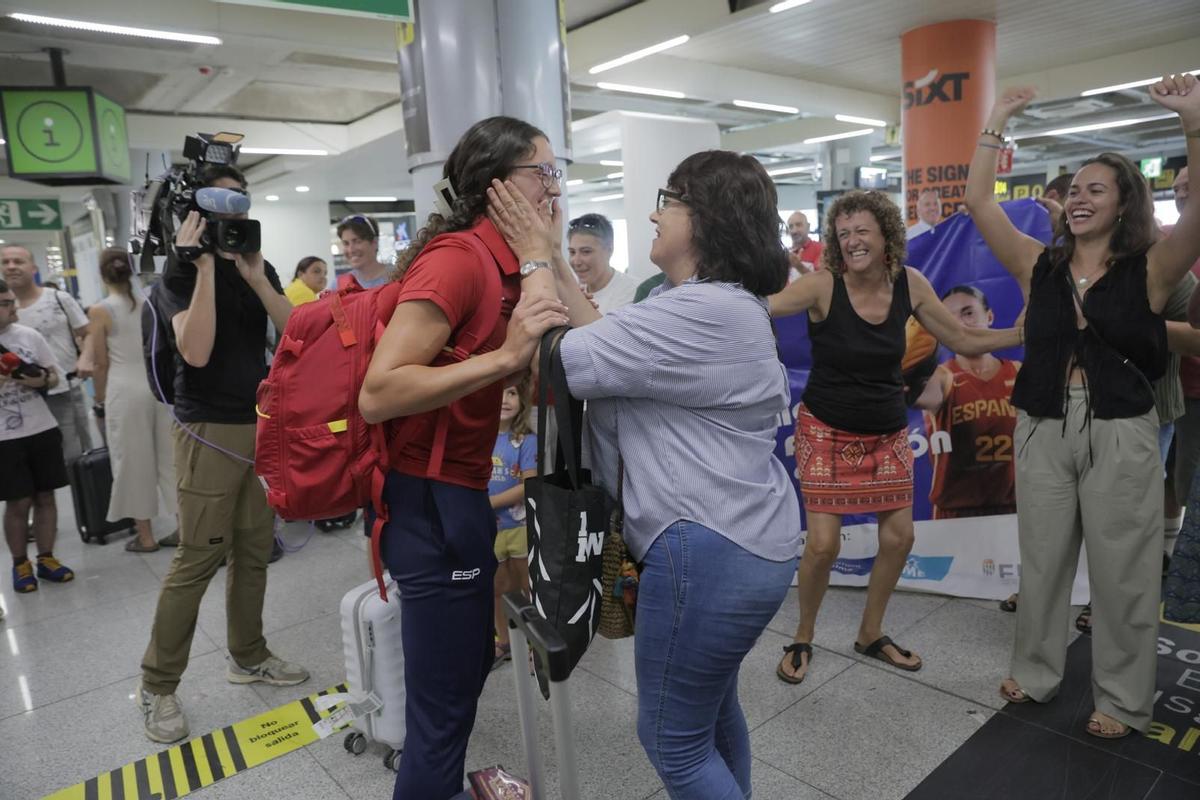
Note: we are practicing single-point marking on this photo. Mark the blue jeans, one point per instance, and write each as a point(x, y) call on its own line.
point(702, 603)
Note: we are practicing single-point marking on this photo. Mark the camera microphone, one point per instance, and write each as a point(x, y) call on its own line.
point(222, 201)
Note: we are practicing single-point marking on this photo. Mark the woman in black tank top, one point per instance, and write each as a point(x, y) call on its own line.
point(852, 449)
point(1088, 467)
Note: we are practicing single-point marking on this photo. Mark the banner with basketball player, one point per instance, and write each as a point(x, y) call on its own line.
point(961, 424)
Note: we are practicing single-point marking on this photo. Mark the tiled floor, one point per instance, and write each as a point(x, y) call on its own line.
point(69, 660)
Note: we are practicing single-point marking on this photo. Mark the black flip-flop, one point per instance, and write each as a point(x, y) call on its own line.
point(795, 650)
point(875, 650)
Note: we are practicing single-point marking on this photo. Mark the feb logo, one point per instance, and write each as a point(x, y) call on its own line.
point(989, 567)
point(935, 88)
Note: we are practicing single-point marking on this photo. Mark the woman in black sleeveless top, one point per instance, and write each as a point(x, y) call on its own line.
point(852, 451)
point(1088, 467)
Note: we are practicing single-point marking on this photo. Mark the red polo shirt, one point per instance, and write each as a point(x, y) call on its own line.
point(452, 278)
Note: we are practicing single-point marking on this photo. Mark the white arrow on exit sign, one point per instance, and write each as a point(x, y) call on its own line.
point(44, 213)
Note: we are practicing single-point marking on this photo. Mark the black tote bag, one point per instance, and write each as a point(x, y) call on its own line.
point(567, 517)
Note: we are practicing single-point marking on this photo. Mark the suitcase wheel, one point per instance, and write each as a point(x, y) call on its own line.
point(355, 743)
point(392, 760)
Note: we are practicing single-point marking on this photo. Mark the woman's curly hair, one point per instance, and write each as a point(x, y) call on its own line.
point(891, 225)
point(489, 149)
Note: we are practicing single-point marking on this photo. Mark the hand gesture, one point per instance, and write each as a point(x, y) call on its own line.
point(1053, 206)
point(528, 230)
point(1011, 102)
point(189, 235)
point(250, 266)
point(1179, 93)
point(530, 319)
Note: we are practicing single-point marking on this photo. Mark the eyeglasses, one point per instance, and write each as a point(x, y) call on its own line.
point(549, 173)
point(666, 196)
point(7, 303)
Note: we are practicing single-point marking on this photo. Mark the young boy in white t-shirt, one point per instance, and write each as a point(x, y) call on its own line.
point(31, 452)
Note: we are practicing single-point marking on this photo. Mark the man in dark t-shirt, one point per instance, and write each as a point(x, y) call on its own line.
point(217, 307)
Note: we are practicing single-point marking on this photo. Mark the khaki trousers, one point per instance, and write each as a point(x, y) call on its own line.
point(222, 511)
point(1099, 482)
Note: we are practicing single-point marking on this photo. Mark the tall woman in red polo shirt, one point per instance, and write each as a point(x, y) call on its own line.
point(438, 543)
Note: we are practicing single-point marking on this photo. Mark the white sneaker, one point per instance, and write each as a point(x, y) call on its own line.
point(274, 671)
point(164, 717)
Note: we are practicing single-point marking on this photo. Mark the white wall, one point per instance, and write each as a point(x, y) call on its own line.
point(291, 230)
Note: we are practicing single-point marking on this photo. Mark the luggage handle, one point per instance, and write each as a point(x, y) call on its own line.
point(527, 629)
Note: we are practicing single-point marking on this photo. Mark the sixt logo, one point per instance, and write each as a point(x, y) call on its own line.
point(931, 89)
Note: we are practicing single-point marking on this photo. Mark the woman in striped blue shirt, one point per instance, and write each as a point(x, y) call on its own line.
point(686, 387)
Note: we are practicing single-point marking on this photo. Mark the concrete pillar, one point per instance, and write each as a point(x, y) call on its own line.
point(651, 147)
point(462, 61)
point(949, 76)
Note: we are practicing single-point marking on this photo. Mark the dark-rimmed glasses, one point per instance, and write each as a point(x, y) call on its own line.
point(666, 196)
point(547, 172)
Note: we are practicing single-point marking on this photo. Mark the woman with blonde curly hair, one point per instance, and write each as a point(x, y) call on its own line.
point(852, 451)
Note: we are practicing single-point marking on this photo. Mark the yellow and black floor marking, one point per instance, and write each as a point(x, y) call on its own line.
point(185, 768)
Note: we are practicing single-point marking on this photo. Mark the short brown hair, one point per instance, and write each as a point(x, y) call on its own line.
point(891, 225)
point(360, 225)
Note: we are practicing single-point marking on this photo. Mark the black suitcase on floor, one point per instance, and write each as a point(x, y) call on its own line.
point(91, 488)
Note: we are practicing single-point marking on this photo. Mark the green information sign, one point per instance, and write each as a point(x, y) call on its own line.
point(30, 215)
point(63, 137)
point(395, 10)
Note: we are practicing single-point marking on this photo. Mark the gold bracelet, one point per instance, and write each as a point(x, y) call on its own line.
point(989, 146)
point(990, 132)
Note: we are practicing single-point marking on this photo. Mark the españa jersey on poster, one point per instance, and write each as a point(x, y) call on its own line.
point(976, 472)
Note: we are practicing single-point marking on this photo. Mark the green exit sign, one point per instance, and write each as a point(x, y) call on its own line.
point(64, 137)
point(1152, 167)
point(35, 214)
point(394, 10)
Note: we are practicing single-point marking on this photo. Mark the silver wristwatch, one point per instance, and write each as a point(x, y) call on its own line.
point(529, 267)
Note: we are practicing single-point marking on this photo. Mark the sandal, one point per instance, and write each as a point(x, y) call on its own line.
point(1016, 695)
point(794, 652)
point(1009, 605)
point(1083, 623)
point(875, 650)
point(134, 546)
point(1095, 727)
point(503, 653)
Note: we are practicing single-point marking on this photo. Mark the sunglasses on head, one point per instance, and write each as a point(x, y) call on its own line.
point(364, 220)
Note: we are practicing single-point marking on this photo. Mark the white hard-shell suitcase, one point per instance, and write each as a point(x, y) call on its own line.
point(375, 666)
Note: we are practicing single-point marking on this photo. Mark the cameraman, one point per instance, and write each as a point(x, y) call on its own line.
point(218, 307)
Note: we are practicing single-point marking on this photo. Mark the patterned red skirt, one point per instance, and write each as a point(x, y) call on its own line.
point(852, 473)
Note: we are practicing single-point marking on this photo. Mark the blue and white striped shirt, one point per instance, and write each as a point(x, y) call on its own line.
point(687, 385)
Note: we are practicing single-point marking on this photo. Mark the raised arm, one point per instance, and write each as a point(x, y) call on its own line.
point(1015, 250)
point(399, 380)
point(812, 289)
point(1169, 258)
point(930, 312)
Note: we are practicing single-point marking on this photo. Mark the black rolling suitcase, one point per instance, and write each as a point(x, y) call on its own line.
point(91, 488)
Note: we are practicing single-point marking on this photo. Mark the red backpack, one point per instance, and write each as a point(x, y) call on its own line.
point(314, 453)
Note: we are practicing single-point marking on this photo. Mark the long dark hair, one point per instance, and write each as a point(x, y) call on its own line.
point(1135, 229)
point(305, 263)
point(489, 149)
point(117, 272)
point(735, 220)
